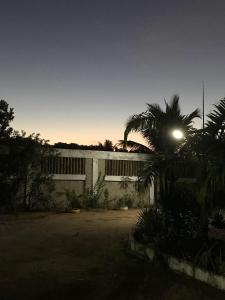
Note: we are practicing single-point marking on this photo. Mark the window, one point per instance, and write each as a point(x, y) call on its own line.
point(123, 167)
point(64, 165)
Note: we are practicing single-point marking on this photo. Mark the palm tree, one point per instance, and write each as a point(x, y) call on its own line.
point(156, 126)
point(215, 152)
point(208, 147)
point(107, 146)
point(215, 126)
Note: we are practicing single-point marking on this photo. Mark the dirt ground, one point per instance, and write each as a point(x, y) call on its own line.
point(82, 256)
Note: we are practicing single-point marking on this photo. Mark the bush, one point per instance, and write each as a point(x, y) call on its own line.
point(218, 220)
point(210, 256)
point(183, 199)
point(148, 225)
point(73, 199)
point(91, 196)
point(106, 198)
point(125, 200)
point(24, 182)
point(173, 233)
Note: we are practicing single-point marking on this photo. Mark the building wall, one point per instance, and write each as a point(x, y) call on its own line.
point(95, 166)
point(116, 192)
point(59, 197)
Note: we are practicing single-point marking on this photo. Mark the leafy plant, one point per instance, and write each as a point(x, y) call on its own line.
point(210, 256)
point(73, 198)
point(173, 233)
point(125, 200)
point(92, 195)
point(218, 220)
point(149, 224)
point(106, 198)
point(124, 183)
point(121, 202)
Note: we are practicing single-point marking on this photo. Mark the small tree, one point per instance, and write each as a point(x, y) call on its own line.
point(35, 178)
point(23, 180)
point(6, 116)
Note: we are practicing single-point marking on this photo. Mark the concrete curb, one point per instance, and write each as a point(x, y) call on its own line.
point(178, 265)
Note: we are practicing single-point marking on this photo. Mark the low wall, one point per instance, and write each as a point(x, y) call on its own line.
point(92, 164)
point(178, 265)
point(60, 187)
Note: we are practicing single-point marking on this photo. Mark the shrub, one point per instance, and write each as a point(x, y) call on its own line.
point(125, 200)
point(173, 233)
point(210, 256)
point(24, 181)
point(106, 198)
point(73, 199)
point(218, 220)
point(149, 224)
point(92, 196)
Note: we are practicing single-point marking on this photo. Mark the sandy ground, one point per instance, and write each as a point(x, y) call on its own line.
point(82, 256)
point(40, 252)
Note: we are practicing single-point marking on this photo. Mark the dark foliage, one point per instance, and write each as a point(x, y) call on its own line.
point(218, 220)
point(99, 147)
point(156, 125)
point(23, 182)
point(6, 116)
point(168, 231)
point(211, 256)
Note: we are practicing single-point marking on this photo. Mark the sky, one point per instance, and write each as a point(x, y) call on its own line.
point(75, 70)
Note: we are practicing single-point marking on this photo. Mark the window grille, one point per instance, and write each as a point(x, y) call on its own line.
point(123, 167)
point(64, 165)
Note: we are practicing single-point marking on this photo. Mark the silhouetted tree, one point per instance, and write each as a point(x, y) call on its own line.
point(156, 126)
point(23, 181)
point(6, 116)
point(106, 146)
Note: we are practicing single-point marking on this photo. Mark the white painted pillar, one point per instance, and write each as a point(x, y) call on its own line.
point(94, 171)
point(151, 194)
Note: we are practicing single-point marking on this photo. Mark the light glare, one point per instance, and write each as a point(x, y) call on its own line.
point(177, 134)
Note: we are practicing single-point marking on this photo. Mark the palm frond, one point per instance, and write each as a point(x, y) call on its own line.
point(156, 125)
point(148, 175)
point(189, 118)
point(134, 146)
point(135, 123)
point(154, 113)
point(173, 106)
point(216, 123)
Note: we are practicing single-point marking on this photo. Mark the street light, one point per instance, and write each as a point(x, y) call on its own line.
point(177, 134)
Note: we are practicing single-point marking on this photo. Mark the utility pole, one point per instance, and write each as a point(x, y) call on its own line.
point(203, 107)
point(203, 210)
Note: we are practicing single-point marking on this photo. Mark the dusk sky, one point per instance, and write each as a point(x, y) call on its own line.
point(75, 70)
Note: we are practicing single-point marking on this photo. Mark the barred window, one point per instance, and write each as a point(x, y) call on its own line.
point(123, 167)
point(64, 165)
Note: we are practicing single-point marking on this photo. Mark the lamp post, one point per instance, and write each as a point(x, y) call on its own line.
point(177, 134)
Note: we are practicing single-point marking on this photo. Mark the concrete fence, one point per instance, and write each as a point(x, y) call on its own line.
point(79, 169)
